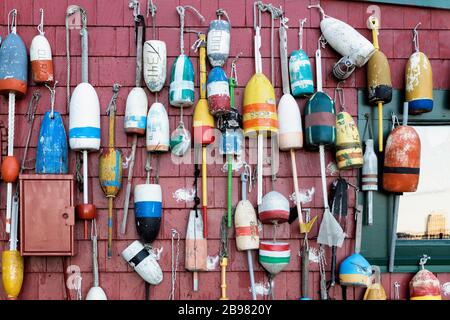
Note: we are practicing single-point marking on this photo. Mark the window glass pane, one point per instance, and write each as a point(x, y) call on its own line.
point(425, 214)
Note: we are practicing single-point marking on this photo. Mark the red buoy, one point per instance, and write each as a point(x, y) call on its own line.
point(10, 169)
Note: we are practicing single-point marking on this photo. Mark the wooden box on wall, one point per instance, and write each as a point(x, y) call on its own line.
point(47, 215)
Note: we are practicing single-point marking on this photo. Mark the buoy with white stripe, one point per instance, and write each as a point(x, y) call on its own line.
point(218, 91)
point(52, 151)
point(41, 56)
point(274, 256)
point(418, 80)
point(148, 210)
point(274, 208)
point(348, 143)
point(369, 180)
point(300, 69)
point(354, 48)
point(218, 47)
point(259, 110)
point(143, 262)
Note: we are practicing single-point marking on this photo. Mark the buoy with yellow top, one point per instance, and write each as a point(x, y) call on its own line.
point(424, 285)
point(418, 80)
point(260, 114)
point(348, 143)
point(379, 85)
point(13, 81)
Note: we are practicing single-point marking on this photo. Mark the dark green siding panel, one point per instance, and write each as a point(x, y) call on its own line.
point(376, 238)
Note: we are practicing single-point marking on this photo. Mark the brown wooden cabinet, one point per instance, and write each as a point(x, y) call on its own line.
point(47, 215)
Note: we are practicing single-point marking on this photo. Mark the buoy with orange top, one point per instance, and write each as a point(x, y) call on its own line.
point(41, 56)
point(424, 285)
point(418, 80)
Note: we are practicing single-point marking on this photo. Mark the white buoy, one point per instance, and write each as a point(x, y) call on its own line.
point(155, 64)
point(158, 136)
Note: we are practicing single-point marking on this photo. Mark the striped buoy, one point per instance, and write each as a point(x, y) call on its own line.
point(370, 169)
point(425, 286)
point(274, 208)
point(348, 144)
point(181, 90)
point(148, 210)
point(246, 226)
point(320, 120)
point(402, 160)
point(203, 124)
point(274, 256)
point(136, 111)
point(155, 64)
point(143, 262)
point(13, 65)
point(218, 45)
point(218, 91)
point(110, 171)
point(355, 270)
point(84, 120)
point(157, 128)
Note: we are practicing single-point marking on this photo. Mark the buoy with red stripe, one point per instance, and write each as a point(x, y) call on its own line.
point(196, 246)
point(218, 47)
point(259, 111)
point(274, 256)
point(274, 208)
point(369, 180)
point(424, 285)
point(401, 168)
point(354, 48)
point(218, 91)
point(418, 80)
point(41, 56)
point(348, 143)
point(143, 262)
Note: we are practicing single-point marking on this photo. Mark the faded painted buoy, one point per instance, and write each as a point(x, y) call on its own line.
point(300, 74)
point(13, 65)
point(155, 64)
point(218, 45)
point(136, 111)
point(181, 90)
point(419, 84)
point(320, 121)
point(246, 226)
point(41, 60)
point(218, 91)
point(274, 256)
point(12, 273)
point(274, 208)
point(348, 144)
point(157, 139)
point(290, 122)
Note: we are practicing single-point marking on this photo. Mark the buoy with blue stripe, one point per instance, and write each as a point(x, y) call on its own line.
point(218, 91)
point(41, 56)
point(418, 80)
point(52, 150)
point(148, 210)
point(13, 81)
point(110, 167)
point(300, 69)
point(219, 34)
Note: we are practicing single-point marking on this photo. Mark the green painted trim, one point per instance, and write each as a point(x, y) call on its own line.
point(376, 238)
point(267, 259)
point(420, 3)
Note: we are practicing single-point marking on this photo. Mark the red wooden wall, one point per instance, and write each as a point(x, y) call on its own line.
point(112, 59)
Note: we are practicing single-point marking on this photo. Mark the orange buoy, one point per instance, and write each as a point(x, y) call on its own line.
point(10, 169)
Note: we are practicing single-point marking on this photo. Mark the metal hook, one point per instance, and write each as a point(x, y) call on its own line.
point(416, 36)
point(151, 8)
point(322, 13)
point(112, 103)
point(40, 27)
point(233, 72)
point(52, 98)
point(135, 5)
point(202, 18)
point(13, 15)
point(321, 42)
point(424, 260)
point(340, 94)
point(221, 12)
point(261, 7)
point(300, 32)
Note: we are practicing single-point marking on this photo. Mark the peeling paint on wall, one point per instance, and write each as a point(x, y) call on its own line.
point(184, 194)
point(212, 262)
point(313, 255)
point(261, 288)
point(332, 169)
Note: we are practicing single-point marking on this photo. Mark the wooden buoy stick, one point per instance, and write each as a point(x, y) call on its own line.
point(123, 227)
point(204, 193)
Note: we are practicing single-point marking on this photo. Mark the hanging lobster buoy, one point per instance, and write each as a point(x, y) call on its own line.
point(355, 49)
point(218, 46)
point(143, 262)
point(274, 208)
point(246, 225)
point(369, 180)
point(289, 118)
point(52, 151)
point(157, 128)
point(274, 256)
point(355, 270)
point(180, 140)
point(136, 111)
point(203, 124)
point(196, 246)
point(148, 210)
point(12, 273)
point(300, 69)
point(181, 91)
point(418, 80)
point(155, 64)
point(348, 144)
point(218, 91)
point(424, 285)
point(10, 169)
point(402, 160)
point(41, 56)
point(375, 291)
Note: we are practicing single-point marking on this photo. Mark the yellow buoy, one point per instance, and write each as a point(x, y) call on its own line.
point(12, 273)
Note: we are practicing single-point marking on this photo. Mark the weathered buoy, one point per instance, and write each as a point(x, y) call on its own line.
point(203, 124)
point(355, 271)
point(300, 69)
point(136, 111)
point(12, 273)
point(218, 46)
point(218, 91)
point(41, 56)
point(180, 140)
point(143, 262)
point(10, 169)
point(155, 64)
point(274, 208)
point(148, 210)
point(349, 153)
point(369, 179)
point(246, 226)
point(424, 285)
point(181, 90)
point(418, 80)
point(320, 121)
point(354, 48)
point(401, 168)
point(375, 290)
point(232, 139)
point(274, 256)
point(196, 246)
point(290, 121)
point(157, 139)
point(84, 120)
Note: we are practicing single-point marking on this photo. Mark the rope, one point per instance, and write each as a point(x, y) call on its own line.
point(94, 252)
point(151, 9)
point(223, 252)
point(174, 262)
point(323, 284)
point(182, 12)
point(368, 126)
point(275, 13)
point(13, 15)
point(148, 166)
point(52, 98)
point(40, 27)
point(416, 37)
point(300, 33)
point(112, 106)
point(30, 115)
point(221, 12)
point(339, 91)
